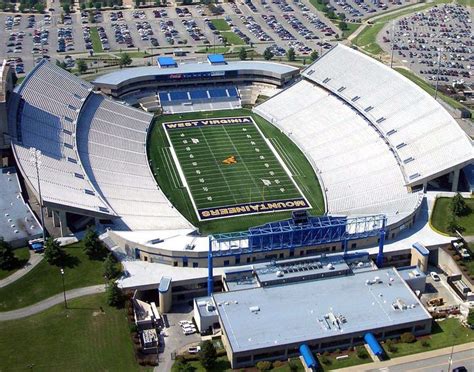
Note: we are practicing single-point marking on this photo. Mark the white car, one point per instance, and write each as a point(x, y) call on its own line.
point(184, 322)
point(194, 349)
point(435, 276)
point(189, 331)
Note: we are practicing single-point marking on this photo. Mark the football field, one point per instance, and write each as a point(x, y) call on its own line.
point(230, 169)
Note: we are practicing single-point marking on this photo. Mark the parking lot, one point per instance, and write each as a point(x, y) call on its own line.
point(356, 10)
point(441, 36)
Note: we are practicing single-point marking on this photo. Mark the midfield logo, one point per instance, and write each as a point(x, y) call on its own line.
point(230, 160)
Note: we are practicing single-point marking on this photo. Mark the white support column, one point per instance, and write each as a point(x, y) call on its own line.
point(455, 183)
point(63, 223)
point(55, 218)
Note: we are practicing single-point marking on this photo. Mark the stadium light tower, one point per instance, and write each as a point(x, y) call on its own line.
point(35, 158)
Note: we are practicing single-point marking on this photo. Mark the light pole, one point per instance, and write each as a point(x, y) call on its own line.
point(64, 289)
point(437, 73)
point(36, 160)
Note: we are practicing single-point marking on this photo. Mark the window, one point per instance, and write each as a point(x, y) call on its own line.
point(248, 259)
point(226, 263)
point(175, 263)
point(185, 263)
point(237, 260)
point(353, 245)
point(195, 264)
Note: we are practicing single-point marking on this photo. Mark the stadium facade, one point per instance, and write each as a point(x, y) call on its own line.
point(375, 141)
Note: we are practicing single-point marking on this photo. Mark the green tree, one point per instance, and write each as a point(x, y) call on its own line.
point(8, 259)
point(66, 7)
point(125, 60)
point(452, 226)
point(208, 354)
point(137, 3)
point(81, 66)
point(342, 16)
point(53, 253)
point(291, 55)
point(268, 54)
point(111, 270)
point(314, 55)
point(470, 318)
point(343, 25)
point(83, 6)
point(39, 7)
point(242, 54)
point(92, 245)
point(458, 205)
point(91, 17)
point(114, 295)
point(98, 5)
point(264, 365)
point(22, 7)
point(292, 366)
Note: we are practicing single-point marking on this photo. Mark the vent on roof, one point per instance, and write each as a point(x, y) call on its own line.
point(103, 209)
point(68, 119)
point(78, 175)
point(355, 98)
point(69, 146)
point(326, 80)
point(71, 107)
point(68, 132)
point(368, 109)
point(401, 145)
point(310, 72)
point(341, 89)
point(392, 131)
point(254, 309)
point(380, 120)
point(89, 192)
point(413, 176)
point(71, 160)
point(409, 160)
point(77, 96)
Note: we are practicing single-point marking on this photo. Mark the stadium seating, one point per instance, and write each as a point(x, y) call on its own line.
point(111, 141)
point(199, 99)
point(358, 171)
point(51, 101)
point(425, 138)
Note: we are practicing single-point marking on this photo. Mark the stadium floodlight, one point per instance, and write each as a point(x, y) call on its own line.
point(35, 158)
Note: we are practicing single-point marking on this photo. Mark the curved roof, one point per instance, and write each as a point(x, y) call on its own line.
point(426, 139)
point(121, 76)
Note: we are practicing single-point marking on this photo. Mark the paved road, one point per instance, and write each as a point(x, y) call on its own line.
point(431, 361)
point(34, 260)
point(49, 302)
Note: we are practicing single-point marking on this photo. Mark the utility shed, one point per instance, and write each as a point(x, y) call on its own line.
point(272, 322)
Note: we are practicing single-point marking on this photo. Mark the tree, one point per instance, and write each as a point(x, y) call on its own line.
point(314, 55)
point(98, 5)
point(91, 17)
point(292, 366)
point(264, 365)
point(458, 205)
point(66, 7)
point(125, 60)
point(343, 25)
point(111, 270)
point(268, 54)
point(452, 226)
point(407, 338)
point(8, 259)
point(114, 295)
point(81, 66)
point(53, 253)
point(92, 245)
point(83, 6)
point(22, 7)
point(208, 354)
point(39, 7)
point(242, 54)
point(361, 352)
point(342, 16)
point(291, 55)
point(137, 3)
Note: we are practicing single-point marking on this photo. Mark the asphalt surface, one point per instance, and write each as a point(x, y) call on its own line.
point(34, 260)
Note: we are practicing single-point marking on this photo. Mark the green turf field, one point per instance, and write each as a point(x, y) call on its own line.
point(229, 168)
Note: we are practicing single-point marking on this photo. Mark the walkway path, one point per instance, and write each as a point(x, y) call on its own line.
point(411, 359)
point(49, 302)
point(34, 260)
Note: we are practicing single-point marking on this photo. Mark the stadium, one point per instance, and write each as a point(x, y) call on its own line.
point(336, 159)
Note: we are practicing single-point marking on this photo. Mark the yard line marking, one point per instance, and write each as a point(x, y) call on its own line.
point(171, 168)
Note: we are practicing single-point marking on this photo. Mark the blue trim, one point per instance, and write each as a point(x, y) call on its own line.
point(421, 249)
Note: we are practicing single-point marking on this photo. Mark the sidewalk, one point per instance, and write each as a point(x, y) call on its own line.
point(50, 302)
point(409, 358)
point(34, 260)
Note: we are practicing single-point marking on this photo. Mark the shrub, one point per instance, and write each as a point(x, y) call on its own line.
point(425, 343)
point(292, 366)
point(361, 352)
point(208, 354)
point(324, 359)
point(390, 345)
point(338, 351)
point(264, 365)
point(407, 338)
point(278, 364)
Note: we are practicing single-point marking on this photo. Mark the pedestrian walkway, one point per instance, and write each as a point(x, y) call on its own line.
point(34, 260)
point(409, 358)
point(50, 302)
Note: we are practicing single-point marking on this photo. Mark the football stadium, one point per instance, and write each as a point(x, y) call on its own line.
point(200, 186)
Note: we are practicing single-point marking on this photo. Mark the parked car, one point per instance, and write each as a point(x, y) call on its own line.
point(435, 276)
point(194, 349)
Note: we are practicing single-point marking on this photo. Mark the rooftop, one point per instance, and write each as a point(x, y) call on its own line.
point(216, 58)
point(295, 313)
point(16, 219)
point(121, 76)
point(167, 62)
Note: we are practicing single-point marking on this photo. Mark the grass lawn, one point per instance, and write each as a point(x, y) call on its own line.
point(441, 213)
point(429, 88)
point(95, 38)
point(220, 24)
point(367, 39)
point(216, 50)
point(81, 338)
point(445, 333)
point(351, 27)
point(165, 170)
point(232, 38)
point(23, 255)
point(45, 280)
point(318, 5)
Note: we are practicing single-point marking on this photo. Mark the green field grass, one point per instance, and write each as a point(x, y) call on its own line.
point(81, 338)
point(44, 280)
point(217, 49)
point(166, 172)
point(256, 176)
point(96, 43)
point(232, 38)
point(23, 255)
point(221, 24)
point(441, 213)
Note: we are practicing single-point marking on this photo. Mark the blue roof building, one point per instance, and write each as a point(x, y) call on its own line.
point(216, 59)
point(167, 62)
